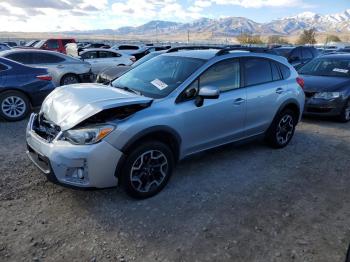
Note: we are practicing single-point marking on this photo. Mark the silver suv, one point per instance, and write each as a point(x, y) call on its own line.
point(177, 104)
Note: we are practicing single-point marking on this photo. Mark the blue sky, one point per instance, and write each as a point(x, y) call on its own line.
point(58, 15)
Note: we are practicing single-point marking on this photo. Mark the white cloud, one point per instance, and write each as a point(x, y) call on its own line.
point(260, 3)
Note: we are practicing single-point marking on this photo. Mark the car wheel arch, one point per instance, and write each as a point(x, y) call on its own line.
point(291, 104)
point(163, 134)
point(20, 91)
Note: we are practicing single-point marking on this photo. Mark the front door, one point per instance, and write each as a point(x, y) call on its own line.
point(217, 121)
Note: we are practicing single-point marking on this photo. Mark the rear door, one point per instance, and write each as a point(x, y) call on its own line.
point(3, 70)
point(218, 121)
point(108, 59)
point(92, 58)
point(264, 85)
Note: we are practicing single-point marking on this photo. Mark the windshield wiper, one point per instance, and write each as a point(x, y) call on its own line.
point(129, 90)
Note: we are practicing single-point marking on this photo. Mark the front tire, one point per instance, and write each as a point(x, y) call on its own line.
point(14, 106)
point(147, 169)
point(282, 129)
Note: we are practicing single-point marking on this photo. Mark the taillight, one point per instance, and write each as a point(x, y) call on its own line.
point(301, 82)
point(44, 77)
point(133, 59)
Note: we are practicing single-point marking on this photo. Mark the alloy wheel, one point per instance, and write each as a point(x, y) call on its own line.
point(285, 129)
point(69, 80)
point(13, 106)
point(149, 171)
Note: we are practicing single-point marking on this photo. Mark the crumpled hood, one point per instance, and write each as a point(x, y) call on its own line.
point(69, 105)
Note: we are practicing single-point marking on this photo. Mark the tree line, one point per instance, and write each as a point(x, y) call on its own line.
point(308, 36)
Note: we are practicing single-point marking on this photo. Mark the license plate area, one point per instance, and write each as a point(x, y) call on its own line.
point(39, 160)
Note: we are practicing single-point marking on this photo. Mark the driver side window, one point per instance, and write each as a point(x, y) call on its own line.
point(224, 75)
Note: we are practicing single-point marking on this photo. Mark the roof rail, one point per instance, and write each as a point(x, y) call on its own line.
point(194, 47)
point(226, 50)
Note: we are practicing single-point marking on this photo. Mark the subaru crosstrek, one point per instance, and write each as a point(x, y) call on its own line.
point(135, 130)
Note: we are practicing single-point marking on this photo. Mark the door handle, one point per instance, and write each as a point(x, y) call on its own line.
point(60, 66)
point(238, 101)
point(279, 90)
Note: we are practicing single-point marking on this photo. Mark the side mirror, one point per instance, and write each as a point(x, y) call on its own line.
point(207, 92)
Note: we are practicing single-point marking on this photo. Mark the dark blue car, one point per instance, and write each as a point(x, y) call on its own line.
point(21, 89)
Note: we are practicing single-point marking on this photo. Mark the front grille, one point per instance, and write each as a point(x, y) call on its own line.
point(309, 94)
point(46, 129)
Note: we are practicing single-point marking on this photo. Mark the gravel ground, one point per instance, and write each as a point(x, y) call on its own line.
point(245, 203)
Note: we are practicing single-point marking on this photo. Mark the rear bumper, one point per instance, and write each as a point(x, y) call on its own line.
point(87, 77)
point(79, 166)
point(322, 107)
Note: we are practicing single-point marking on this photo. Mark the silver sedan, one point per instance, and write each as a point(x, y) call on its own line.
point(64, 69)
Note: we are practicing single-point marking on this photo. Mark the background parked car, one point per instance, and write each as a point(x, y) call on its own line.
point(113, 72)
point(92, 45)
point(298, 56)
point(31, 43)
point(100, 59)
point(327, 86)
point(21, 88)
point(11, 43)
point(4, 47)
point(58, 45)
point(63, 69)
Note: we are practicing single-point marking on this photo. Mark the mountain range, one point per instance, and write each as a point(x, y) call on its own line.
point(233, 26)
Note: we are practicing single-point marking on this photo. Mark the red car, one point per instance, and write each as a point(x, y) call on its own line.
point(58, 44)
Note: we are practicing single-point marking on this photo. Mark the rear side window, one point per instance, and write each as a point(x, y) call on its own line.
point(307, 54)
point(285, 71)
point(90, 55)
point(106, 54)
point(296, 54)
point(128, 47)
point(24, 58)
point(52, 44)
point(257, 71)
point(41, 58)
point(225, 75)
point(275, 71)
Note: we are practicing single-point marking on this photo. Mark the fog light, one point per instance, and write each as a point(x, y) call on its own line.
point(78, 173)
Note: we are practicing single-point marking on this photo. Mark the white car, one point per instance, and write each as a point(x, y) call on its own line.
point(101, 59)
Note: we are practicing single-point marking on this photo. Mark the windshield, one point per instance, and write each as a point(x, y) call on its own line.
point(39, 44)
point(327, 67)
point(159, 76)
point(146, 58)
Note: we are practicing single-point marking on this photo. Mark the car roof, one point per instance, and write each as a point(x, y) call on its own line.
point(211, 53)
point(101, 49)
point(336, 55)
point(199, 54)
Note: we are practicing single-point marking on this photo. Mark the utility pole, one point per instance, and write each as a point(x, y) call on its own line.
point(188, 36)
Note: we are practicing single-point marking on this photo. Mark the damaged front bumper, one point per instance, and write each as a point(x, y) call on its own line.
point(75, 165)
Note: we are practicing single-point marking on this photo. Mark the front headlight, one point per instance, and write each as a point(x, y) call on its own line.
point(327, 95)
point(87, 135)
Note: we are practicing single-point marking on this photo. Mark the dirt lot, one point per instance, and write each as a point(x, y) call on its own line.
point(246, 203)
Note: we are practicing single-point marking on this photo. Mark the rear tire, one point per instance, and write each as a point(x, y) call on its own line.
point(147, 169)
point(14, 106)
point(282, 129)
point(344, 116)
point(69, 79)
